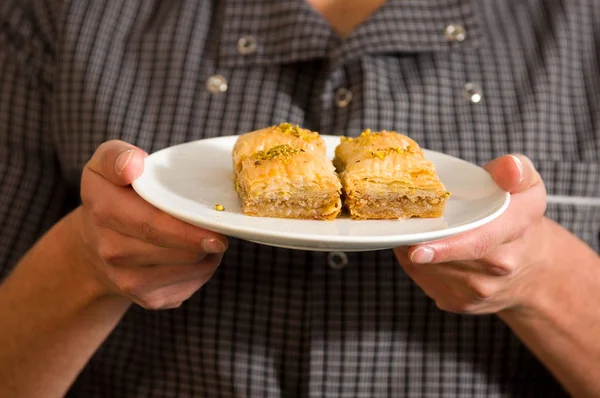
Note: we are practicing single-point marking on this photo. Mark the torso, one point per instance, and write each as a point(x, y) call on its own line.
point(283, 323)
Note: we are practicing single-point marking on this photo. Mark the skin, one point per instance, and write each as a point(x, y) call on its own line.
point(72, 288)
point(539, 278)
point(485, 271)
point(345, 15)
point(136, 250)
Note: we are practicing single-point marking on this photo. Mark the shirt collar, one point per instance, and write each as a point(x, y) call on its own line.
point(289, 31)
point(412, 26)
point(285, 31)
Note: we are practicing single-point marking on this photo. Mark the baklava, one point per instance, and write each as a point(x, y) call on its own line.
point(292, 179)
point(385, 175)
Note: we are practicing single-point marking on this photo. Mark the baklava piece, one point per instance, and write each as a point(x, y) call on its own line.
point(385, 175)
point(286, 180)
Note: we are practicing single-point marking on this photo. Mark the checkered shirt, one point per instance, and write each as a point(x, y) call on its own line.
point(281, 323)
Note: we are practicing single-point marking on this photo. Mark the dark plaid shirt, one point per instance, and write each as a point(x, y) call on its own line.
point(475, 79)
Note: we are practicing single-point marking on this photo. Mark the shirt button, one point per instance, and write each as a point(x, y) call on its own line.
point(216, 84)
point(472, 92)
point(246, 45)
point(337, 260)
point(455, 32)
point(343, 97)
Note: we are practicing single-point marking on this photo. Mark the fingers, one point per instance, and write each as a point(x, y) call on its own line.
point(463, 287)
point(136, 281)
point(514, 173)
point(527, 207)
point(467, 246)
point(118, 162)
point(501, 267)
point(431, 285)
point(165, 286)
point(480, 271)
point(171, 296)
point(119, 250)
point(139, 251)
point(448, 295)
point(143, 221)
point(123, 211)
point(524, 212)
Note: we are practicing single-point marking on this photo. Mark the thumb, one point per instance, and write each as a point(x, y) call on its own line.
point(118, 162)
point(513, 173)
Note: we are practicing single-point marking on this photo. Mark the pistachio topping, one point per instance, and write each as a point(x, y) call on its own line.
point(280, 153)
point(381, 153)
point(365, 137)
point(296, 131)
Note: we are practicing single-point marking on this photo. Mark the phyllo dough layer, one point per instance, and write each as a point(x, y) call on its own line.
point(287, 181)
point(385, 175)
point(267, 138)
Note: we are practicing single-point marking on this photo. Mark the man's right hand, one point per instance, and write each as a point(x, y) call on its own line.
point(134, 249)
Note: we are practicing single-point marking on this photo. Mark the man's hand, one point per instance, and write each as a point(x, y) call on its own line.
point(136, 250)
point(494, 267)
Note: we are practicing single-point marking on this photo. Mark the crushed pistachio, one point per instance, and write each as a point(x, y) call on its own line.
point(383, 152)
point(365, 137)
point(280, 152)
point(296, 131)
point(219, 207)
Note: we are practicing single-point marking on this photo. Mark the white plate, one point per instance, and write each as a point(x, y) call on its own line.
point(187, 181)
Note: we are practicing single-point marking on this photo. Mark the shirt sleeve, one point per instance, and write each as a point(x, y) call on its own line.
point(32, 191)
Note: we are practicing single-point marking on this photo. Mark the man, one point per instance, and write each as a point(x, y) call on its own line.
point(89, 87)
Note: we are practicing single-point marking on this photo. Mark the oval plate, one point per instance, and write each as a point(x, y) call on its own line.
point(188, 180)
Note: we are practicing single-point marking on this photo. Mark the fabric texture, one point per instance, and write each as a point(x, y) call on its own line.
point(275, 322)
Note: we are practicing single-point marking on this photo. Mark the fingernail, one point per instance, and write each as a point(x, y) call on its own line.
point(423, 255)
point(122, 160)
point(519, 165)
point(213, 246)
